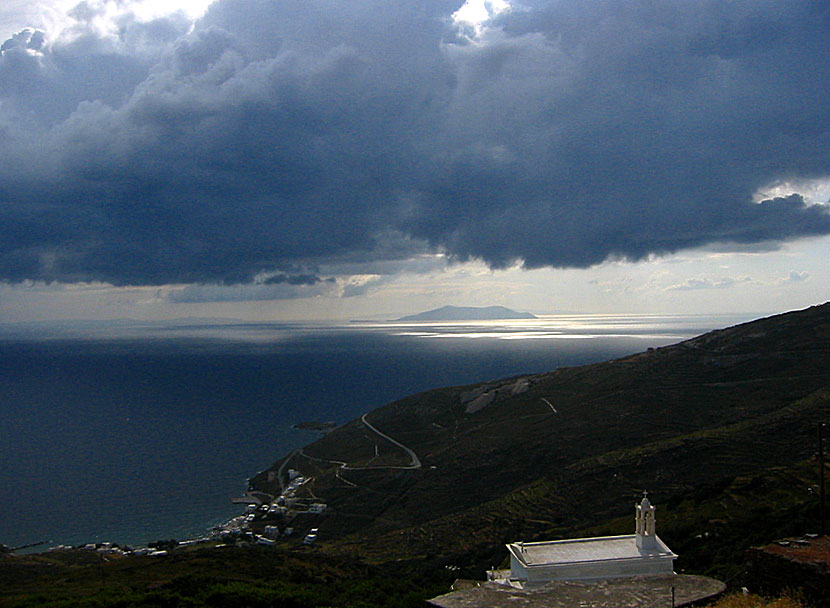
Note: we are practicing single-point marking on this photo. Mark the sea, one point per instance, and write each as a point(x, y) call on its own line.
point(131, 432)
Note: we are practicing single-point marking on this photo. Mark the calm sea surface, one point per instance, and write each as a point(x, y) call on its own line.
point(137, 432)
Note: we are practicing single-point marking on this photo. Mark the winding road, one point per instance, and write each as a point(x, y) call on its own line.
point(344, 466)
point(550, 405)
point(416, 462)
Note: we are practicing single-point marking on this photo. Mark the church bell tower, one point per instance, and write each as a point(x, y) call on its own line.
point(645, 528)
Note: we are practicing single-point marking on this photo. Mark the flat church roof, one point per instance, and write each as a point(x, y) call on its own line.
point(603, 548)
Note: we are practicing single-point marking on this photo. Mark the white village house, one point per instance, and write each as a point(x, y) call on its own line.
point(586, 559)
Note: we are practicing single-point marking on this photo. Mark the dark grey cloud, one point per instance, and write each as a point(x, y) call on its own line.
point(211, 292)
point(295, 279)
point(24, 39)
point(295, 133)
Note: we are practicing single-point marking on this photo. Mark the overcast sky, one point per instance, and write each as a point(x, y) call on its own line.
point(296, 159)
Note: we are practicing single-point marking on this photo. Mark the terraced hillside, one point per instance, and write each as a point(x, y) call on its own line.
point(551, 454)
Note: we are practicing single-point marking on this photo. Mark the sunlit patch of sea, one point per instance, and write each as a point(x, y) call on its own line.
point(564, 327)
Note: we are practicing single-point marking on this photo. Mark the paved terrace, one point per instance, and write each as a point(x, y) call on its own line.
point(635, 592)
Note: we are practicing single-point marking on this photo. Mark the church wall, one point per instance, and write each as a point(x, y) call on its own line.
point(590, 570)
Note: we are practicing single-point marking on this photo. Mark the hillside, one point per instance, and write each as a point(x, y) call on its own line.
point(548, 455)
point(467, 313)
point(249, 576)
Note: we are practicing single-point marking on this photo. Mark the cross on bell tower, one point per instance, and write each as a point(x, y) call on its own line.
point(645, 524)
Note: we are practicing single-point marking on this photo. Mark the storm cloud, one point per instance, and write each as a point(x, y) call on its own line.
point(297, 133)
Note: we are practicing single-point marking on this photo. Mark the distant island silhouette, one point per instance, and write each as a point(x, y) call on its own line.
point(467, 313)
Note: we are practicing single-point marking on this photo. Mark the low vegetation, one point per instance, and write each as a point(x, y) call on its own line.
point(228, 577)
point(741, 600)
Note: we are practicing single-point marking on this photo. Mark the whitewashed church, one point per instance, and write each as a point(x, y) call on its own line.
point(586, 559)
